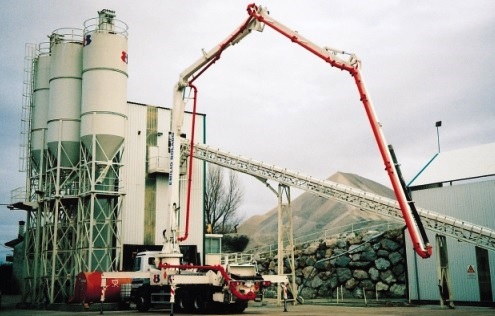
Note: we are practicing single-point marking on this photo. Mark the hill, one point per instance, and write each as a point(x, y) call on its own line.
point(312, 213)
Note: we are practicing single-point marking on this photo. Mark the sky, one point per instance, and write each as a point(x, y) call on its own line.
point(268, 99)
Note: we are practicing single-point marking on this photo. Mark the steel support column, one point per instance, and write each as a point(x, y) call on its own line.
point(285, 254)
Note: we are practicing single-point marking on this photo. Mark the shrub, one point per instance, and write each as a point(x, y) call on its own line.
point(234, 243)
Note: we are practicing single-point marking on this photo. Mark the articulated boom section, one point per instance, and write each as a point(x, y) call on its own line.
point(366, 201)
point(350, 63)
point(258, 18)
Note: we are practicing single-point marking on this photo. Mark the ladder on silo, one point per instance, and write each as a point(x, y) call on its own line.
point(461, 230)
point(27, 99)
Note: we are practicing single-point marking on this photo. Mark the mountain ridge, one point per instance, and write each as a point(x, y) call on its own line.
point(311, 213)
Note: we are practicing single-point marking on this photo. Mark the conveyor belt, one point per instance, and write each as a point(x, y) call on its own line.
point(445, 225)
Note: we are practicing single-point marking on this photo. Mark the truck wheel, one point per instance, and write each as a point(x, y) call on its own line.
point(238, 308)
point(143, 302)
point(183, 301)
point(199, 303)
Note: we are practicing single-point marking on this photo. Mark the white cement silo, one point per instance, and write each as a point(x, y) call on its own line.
point(65, 96)
point(104, 86)
point(103, 122)
point(41, 95)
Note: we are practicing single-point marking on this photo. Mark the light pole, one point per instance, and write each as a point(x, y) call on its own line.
point(437, 125)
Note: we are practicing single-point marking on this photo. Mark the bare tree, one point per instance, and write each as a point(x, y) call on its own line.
point(222, 199)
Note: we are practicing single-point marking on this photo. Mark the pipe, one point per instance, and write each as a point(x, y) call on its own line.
point(223, 46)
point(190, 167)
point(422, 249)
point(252, 11)
point(418, 244)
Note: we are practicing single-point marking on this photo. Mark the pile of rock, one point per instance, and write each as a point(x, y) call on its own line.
point(350, 262)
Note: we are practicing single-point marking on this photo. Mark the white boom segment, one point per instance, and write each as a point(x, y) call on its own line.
point(186, 79)
point(442, 224)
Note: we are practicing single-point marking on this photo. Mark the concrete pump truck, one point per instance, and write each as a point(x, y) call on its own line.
point(161, 276)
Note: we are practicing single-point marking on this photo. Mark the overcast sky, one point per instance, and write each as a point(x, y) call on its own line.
point(268, 99)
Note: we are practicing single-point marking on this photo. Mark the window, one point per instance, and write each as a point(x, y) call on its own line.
point(137, 264)
point(213, 245)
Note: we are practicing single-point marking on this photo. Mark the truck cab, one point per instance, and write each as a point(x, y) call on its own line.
point(145, 261)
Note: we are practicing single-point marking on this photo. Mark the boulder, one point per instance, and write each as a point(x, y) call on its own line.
point(331, 243)
point(380, 287)
point(387, 277)
point(311, 249)
point(342, 261)
point(398, 270)
point(341, 243)
point(368, 255)
point(316, 282)
point(382, 264)
point(398, 290)
point(360, 274)
point(395, 258)
point(374, 274)
point(343, 274)
point(351, 284)
point(308, 293)
point(389, 245)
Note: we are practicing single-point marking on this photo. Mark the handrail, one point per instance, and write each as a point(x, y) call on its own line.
point(261, 250)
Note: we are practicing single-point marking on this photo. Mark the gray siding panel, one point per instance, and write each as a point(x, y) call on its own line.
point(424, 272)
point(491, 256)
point(473, 202)
point(134, 175)
point(420, 273)
point(464, 285)
point(196, 226)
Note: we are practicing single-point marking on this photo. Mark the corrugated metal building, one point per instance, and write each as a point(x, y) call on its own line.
point(146, 165)
point(460, 184)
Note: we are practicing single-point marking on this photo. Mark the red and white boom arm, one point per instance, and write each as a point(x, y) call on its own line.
point(258, 17)
point(352, 65)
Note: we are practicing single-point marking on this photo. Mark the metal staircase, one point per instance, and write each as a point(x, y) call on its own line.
point(442, 224)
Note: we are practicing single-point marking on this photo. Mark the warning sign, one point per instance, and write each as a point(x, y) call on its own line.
point(471, 273)
point(470, 269)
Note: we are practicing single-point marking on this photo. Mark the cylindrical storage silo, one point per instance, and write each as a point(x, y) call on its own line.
point(104, 86)
point(65, 96)
point(41, 95)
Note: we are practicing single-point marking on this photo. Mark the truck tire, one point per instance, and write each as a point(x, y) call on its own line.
point(183, 301)
point(199, 303)
point(143, 301)
point(238, 307)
